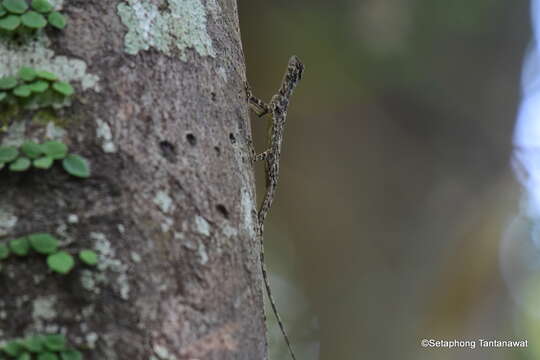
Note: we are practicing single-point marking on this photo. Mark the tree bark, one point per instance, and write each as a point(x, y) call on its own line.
point(160, 113)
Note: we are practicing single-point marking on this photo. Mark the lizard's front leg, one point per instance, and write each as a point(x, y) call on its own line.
point(262, 156)
point(258, 106)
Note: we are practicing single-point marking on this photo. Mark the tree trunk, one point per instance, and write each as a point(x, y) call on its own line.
point(161, 116)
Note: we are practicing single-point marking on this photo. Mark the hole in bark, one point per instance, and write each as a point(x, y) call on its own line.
point(192, 140)
point(213, 95)
point(232, 138)
point(163, 7)
point(179, 185)
point(218, 150)
point(223, 210)
point(168, 150)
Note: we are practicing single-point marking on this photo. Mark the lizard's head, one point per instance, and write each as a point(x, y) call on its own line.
point(296, 68)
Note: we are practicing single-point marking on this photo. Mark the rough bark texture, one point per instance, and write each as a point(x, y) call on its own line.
point(160, 113)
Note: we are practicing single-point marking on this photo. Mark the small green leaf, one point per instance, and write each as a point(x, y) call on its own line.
point(15, 6)
point(7, 82)
point(32, 149)
point(47, 75)
point(71, 355)
point(55, 342)
point(2, 10)
point(19, 165)
point(33, 20)
point(33, 343)
point(62, 263)
point(43, 6)
point(10, 23)
point(76, 165)
point(4, 252)
point(27, 73)
point(22, 91)
point(88, 257)
point(55, 149)
point(43, 243)
point(43, 163)
point(47, 356)
point(20, 246)
point(3, 95)
point(25, 356)
point(57, 20)
point(39, 86)
point(8, 154)
point(13, 348)
point(64, 88)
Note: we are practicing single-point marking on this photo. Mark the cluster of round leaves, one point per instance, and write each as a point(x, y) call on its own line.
point(40, 347)
point(42, 156)
point(34, 88)
point(58, 260)
point(37, 88)
point(18, 16)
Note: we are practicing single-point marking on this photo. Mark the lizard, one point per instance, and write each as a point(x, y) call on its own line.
point(278, 108)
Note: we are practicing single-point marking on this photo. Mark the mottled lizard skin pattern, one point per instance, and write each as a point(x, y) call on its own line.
point(278, 108)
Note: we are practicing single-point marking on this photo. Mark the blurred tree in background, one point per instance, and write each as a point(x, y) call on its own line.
point(395, 184)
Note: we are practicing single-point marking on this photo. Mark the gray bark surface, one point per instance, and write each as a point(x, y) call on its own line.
point(169, 207)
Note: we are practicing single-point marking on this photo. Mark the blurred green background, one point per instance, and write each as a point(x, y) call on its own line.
point(395, 184)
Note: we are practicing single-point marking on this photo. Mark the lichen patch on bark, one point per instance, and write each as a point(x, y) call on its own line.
point(182, 26)
point(163, 201)
point(43, 308)
point(43, 311)
point(202, 226)
point(15, 135)
point(110, 262)
point(8, 220)
point(103, 132)
point(37, 53)
point(54, 132)
point(248, 207)
point(163, 353)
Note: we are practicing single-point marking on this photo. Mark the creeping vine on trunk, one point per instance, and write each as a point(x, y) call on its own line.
point(28, 90)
